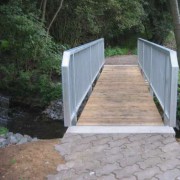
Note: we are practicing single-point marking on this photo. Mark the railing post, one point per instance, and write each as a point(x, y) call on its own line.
point(103, 51)
point(150, 76)
point(66, 90)
point(138, 51)
point(143, 56)
point(99, 61)
point(165, 95)
point(91, 78)
point(174, 87)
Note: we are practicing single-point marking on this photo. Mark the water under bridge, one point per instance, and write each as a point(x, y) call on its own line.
point(101, 98)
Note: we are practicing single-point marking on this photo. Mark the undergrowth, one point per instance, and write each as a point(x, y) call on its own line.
point(178, 101)
point(114, 51)
point(3, 130)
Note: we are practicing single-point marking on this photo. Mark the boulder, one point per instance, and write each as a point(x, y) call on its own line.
point(54, 111)
point(18, 136)
point(29, 138)
point(23, 141)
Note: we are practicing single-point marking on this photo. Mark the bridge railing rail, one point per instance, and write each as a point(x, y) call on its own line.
point(80, 67)
point(160, 67)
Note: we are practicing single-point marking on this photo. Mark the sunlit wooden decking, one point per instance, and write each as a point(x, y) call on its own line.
point(120, 97)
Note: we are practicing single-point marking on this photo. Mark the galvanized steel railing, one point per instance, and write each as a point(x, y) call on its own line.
point(80, 67)
point(160, 67)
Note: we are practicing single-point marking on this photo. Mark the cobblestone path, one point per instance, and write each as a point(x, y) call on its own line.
point(118, 156)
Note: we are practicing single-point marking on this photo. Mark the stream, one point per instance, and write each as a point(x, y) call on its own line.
point(25, 120)
point(30, 122)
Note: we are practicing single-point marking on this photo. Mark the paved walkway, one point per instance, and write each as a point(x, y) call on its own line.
point(118, 156)
point(122, 60)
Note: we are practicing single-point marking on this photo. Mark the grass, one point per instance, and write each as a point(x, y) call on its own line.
point(3, 130)
point(170, 41)
point(13, 161)
point(114, 51)
point(179, 79)
point(178, 100)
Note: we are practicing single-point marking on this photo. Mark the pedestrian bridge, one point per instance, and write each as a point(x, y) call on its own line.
point(120, 98)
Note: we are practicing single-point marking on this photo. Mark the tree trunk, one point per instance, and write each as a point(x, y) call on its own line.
point(176, 21)
point(44, 10)
point(54, 17)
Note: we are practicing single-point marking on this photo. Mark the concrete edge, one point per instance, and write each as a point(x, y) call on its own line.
point(121, 129)
point(128, 65)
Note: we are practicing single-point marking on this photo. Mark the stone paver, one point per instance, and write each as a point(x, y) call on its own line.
point(169, 164)
point(118, 156)
point(150, 162)
point(147, 173)
point(108, 177)
point(171, 174)
point(129, 178)
point(130, 160)
point(106, 169)
point(127, 171)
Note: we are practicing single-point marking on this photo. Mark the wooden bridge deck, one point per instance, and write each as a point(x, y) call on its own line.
point(120, 97)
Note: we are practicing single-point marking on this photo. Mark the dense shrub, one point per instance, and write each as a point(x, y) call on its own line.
point(158, 20)
point(81, 21)
point(29, 58)
point(178, 103)
point(116, 51)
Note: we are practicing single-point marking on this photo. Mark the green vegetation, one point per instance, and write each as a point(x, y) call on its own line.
point(115, 51)
point(30, 59)
point(178, 105)
point(170, 41)
point(157, 24)
point(119, 51)
point(178, 101)
point(81, 21)
point(3, 130)
point(13, 161)
point(31, 49)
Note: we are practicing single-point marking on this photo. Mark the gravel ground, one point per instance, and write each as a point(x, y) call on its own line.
point(122, 60)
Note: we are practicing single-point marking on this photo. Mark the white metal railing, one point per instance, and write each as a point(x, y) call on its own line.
point(160, 67)
point(80, 67)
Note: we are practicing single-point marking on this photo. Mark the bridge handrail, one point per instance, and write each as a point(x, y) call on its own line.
point(160, 67)
point(80, 67)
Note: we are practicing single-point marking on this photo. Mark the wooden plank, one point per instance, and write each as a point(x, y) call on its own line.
point(114, 100)
point(120, 97)
point(119, 114)
point(110, 123)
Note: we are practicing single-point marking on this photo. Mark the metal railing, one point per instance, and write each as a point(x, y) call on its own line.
point(80, 67)
point(160, 67)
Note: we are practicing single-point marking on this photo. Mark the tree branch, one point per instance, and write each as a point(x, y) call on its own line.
point(41, 4)
point(54, 17)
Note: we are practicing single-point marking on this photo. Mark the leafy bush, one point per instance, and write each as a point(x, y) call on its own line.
point(29, 58)
point(3, 130)
point(170, 41)
point(178, 101)
point(157, 24)
point(134, 51)
point(119, 51)
point(81, 21)
point(178, 105)
point(115, 51)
